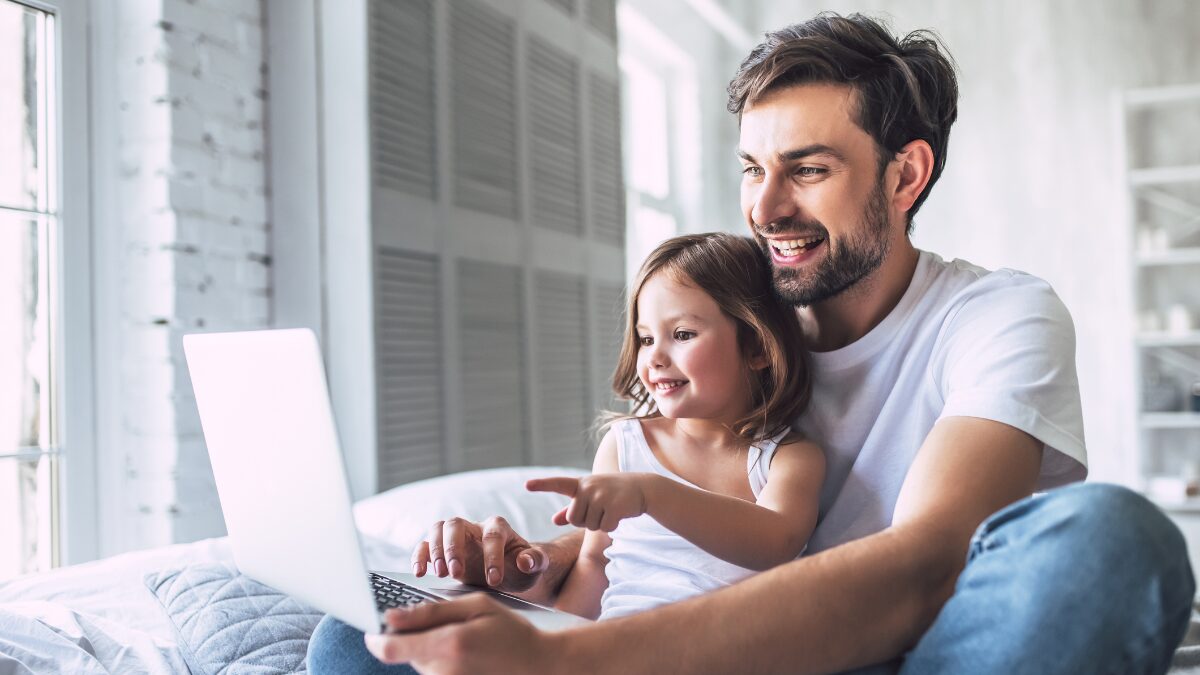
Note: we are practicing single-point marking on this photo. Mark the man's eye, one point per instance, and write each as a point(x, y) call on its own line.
point(645, 341)
point(809, 171)
point(753, 171)
point(684, 335)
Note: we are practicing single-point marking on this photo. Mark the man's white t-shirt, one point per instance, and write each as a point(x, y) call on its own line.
point(962, 342)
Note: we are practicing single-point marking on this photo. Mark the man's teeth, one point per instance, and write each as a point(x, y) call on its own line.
point(792, 247)
point(668, 385)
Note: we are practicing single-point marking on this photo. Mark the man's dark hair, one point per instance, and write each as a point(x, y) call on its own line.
point(906, 88)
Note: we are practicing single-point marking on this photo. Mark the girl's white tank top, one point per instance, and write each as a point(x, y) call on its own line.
point(650, 565)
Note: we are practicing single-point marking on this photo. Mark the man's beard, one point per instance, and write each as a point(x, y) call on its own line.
point(846, 262)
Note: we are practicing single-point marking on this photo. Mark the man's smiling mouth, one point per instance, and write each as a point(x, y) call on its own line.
point(790, 248)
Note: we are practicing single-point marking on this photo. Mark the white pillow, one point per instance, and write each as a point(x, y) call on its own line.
point(403, 515)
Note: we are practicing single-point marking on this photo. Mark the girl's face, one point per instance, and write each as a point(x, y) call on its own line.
point(688, 356)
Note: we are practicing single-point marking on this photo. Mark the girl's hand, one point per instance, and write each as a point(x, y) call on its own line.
point(599, 501)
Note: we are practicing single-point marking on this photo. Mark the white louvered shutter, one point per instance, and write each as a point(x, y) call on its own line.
point(491, 321)
point(553, 86)
point(602, 17)
point(403, 130)
point(497, 230)
point(567, 6)
point(608, 187)
point(484, 109)
point(561, 363)
point(409, 358)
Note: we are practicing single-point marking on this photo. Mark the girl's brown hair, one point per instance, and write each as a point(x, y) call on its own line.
point(736, 274)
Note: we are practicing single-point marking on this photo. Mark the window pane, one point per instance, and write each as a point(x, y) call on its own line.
point(25, 497)
point(22, 88)
point(24, 344)
point(645, 99)
point(648, 228)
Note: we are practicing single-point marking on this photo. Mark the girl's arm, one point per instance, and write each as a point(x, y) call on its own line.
point(759, 535)
point(585, 583)
point(753, 535)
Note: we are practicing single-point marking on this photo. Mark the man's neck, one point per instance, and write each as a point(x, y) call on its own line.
point(843, 320)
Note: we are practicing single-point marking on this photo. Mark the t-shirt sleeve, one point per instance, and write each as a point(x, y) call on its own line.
point(1009, 356)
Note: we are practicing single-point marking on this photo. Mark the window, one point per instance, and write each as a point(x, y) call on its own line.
point(28, 230)
point(660, 130)
point(45, 288)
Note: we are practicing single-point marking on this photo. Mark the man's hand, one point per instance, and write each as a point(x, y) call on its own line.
point(474, 634)
point(598, 502)
point(488, 553)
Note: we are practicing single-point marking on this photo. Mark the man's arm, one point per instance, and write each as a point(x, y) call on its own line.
point(864, 602)
point(861, 603)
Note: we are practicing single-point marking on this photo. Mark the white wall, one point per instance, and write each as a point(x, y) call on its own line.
point(1034, 180)
point(182, 245)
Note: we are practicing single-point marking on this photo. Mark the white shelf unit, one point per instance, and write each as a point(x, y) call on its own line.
point(1162, 162)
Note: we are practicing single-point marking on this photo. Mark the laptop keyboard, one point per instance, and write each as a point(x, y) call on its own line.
point(391, 593)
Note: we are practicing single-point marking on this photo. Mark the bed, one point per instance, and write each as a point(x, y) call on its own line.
point(185, 609)
point(128, 614)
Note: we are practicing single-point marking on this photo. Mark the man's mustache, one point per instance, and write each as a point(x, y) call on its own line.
point(797, 226)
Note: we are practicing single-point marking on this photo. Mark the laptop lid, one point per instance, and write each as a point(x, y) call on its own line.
point(268, 423)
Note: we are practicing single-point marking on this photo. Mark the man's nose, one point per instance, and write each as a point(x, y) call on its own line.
point(773, 202)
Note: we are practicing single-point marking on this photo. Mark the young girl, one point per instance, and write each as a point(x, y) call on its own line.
point(704, 484)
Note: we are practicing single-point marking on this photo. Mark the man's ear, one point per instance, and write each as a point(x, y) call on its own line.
point(915, 167)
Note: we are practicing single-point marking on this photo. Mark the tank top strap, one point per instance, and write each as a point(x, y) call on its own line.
point(633, 451)
point(758, 461)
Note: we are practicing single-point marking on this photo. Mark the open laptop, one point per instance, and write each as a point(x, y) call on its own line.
point(265, 411)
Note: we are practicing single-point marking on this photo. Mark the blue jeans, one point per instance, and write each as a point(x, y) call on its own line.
point(1090, 578)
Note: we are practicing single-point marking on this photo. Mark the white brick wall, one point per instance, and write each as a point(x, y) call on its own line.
point(195, 243)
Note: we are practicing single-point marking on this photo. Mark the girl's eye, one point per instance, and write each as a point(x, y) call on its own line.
point(645, 341)
point(684, 335)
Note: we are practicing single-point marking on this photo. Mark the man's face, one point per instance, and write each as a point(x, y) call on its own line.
point(810, 191)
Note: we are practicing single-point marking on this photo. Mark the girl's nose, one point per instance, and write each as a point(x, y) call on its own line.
point(658, 356)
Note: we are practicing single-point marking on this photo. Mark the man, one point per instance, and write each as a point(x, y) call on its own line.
point(944, 395)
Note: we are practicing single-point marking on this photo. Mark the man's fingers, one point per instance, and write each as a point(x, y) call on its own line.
point(533, 561)
point(431, 632)
point(436, 556)
point(454, 538)
point(420, 558)
point(561, 484)
point(428, 615)
point(496, 535)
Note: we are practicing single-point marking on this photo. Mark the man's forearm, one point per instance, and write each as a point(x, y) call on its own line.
point(562, 554)
point(854, 605)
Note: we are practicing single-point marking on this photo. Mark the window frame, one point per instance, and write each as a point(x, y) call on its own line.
point(71, 445)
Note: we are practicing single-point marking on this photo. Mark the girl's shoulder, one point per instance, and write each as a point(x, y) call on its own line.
point(796, 448)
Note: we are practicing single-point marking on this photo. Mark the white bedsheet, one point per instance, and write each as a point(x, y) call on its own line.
point(95, 617)
point(100, 617)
